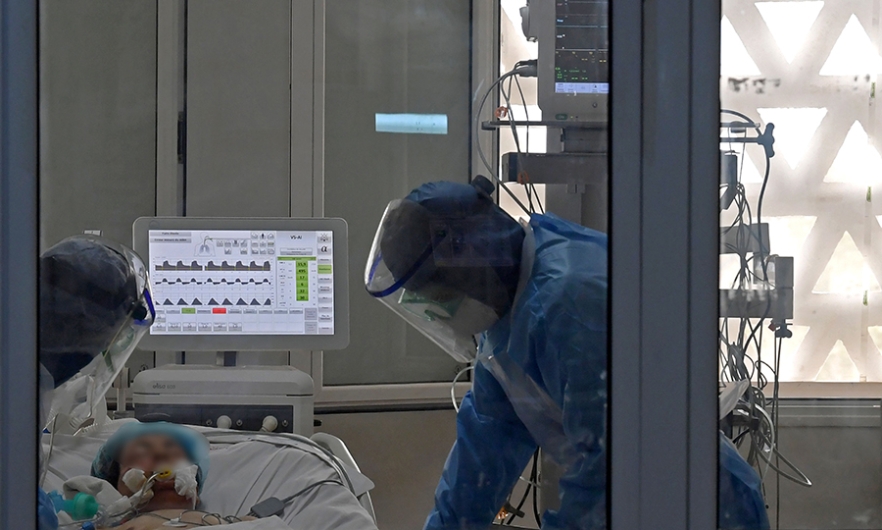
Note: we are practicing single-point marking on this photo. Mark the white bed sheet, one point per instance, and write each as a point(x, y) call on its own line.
point(245, 469)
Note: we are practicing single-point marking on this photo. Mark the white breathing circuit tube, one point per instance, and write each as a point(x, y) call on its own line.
point(453, 386)
point(329, 458)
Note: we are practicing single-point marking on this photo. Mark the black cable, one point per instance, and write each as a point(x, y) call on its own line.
point(538, 200)
point(741, 435)
point(745, 274)
point(740, 339)
point(274, 506)
point(777, 441)
point(750, 122)
point(526, 110)
point(752, 338)
point(757, 341)
point(520, 505)
point(511, 119)
point(530, 199)
point(523, 500)
point(536, 506)
point(478, 143)
point(759, 216)
point(529, 185)
point(514, 133)
point(290, 498)
point(535, 479)
point(742, 247)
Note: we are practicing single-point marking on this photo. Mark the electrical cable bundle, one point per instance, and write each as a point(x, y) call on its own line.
point(756, 417)
point(521, 69)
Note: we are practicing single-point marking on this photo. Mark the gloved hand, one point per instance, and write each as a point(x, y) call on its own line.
point(46, 516)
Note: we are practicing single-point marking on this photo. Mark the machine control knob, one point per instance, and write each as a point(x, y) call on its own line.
point(224, 422)
point(270, 423)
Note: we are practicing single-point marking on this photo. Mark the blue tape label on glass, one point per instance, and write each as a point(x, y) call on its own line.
point(412, 123)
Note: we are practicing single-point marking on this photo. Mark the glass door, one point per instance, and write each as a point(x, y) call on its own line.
point(799, 332)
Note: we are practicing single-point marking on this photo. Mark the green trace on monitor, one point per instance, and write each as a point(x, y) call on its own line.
point(324, 269)
point(188, 311)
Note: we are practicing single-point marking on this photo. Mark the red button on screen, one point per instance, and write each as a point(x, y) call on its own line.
point(219, 310)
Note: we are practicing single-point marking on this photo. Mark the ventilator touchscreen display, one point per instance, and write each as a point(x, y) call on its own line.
point(237, 282)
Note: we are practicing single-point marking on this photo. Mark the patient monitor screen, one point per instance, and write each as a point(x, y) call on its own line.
point(238, 282)
point(581, 48)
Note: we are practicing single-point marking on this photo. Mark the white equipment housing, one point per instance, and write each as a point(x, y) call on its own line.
point(248, 398)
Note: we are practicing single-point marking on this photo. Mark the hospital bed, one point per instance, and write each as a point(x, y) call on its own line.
point(246, 468)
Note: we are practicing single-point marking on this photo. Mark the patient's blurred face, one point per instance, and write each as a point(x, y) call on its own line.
point(149, 453)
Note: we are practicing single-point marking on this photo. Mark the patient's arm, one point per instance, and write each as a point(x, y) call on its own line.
point(156, 520)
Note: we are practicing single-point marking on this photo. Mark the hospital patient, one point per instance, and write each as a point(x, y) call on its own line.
point(162, 468)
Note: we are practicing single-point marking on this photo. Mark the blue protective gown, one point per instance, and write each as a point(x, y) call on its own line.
point(742, 506)
point(558, 332)
point(47, 519)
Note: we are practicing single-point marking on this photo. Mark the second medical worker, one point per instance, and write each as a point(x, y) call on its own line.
point(528, 305)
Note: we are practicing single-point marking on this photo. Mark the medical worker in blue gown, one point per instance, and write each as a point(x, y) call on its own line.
point(528, 304)
point(95, 305)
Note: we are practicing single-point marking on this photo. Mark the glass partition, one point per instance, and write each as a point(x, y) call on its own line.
point(186, 116)
point(800, 361)
point(190, 154)
point(397, 114)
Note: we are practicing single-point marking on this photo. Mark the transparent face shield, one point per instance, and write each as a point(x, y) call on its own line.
point(424, 277)
point(79, 403)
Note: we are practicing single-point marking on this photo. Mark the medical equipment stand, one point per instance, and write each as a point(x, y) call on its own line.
point(574, 169)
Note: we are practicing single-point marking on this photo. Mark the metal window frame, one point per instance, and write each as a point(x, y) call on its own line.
point(18, 264)
point(663, 263)
point(663, 138)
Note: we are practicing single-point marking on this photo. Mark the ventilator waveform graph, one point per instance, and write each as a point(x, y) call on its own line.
point(213, 302)
point(239, 266)
point(209, 281)
point(266, 266)
point(179, 266)
point(194, 291)
point(214, 283)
